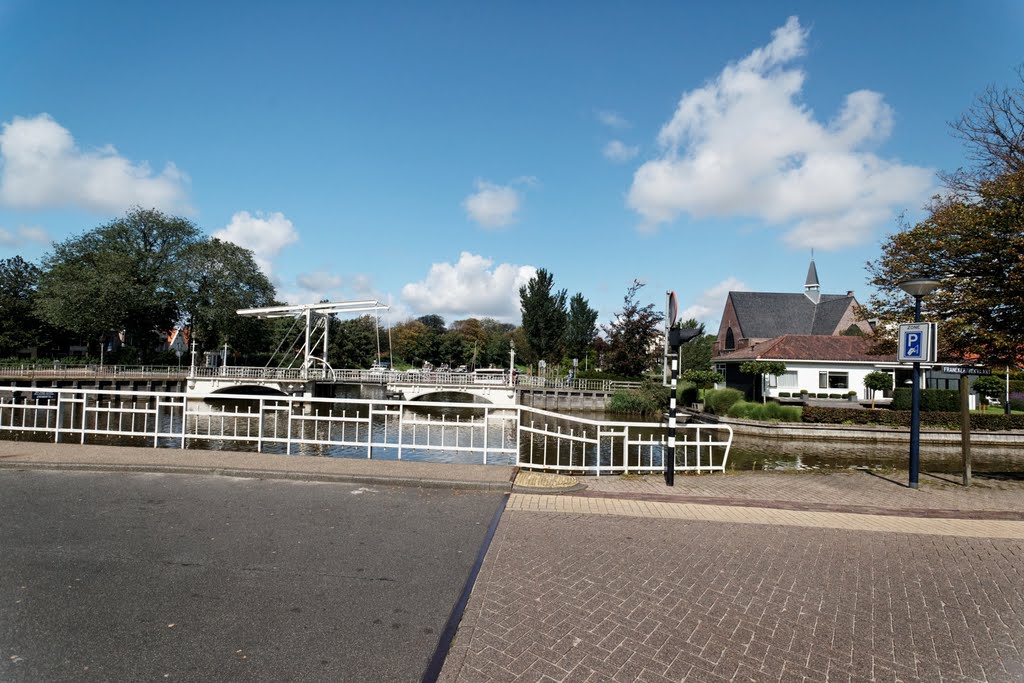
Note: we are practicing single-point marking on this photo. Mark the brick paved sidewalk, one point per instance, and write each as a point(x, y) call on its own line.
point(840, 489)
point(568, 597)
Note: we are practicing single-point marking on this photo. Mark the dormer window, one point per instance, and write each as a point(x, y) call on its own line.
point(730, 340)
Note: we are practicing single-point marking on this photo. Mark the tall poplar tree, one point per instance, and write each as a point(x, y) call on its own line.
point(581, 327)
point(544, 316)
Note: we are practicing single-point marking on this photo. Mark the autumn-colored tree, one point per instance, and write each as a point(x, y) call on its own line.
point(971, 240)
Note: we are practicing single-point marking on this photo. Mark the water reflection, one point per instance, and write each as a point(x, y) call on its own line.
point(789, 454)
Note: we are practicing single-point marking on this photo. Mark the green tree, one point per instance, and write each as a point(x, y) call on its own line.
point(353, 342)
point(20, 327)
point(633, 336)
point(120, 276)
point(544, 316)
point(496, 346)
point(971, 240)
point(430, 340)
point(218, 278)
point(696, 354)
point(581, 327)
point(877, 381)
point(702, 379)
point(989, 387)
point(763, 368)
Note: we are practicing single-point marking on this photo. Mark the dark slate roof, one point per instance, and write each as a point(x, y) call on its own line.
point(763, 315)
point(812, 276)
point(810, 347)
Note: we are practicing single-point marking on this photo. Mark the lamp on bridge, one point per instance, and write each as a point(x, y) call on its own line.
point(917, 288)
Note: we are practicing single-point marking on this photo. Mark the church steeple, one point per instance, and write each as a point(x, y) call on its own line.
point(812, 288)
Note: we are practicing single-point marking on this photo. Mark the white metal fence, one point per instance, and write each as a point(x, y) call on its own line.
point(417, 430)
point(373, 376)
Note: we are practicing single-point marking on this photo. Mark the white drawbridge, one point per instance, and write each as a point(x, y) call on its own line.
point(301, 356)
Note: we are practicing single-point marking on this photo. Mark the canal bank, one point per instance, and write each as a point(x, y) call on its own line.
point(867, 434)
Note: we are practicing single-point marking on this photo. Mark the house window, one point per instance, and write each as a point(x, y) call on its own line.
point(833, 380)
point(787, 380)
point(730, 340)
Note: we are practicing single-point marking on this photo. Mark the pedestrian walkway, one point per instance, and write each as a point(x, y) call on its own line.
point(751, 577)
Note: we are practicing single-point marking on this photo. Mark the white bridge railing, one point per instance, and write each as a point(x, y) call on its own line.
point(412, 430)
point(318, 374)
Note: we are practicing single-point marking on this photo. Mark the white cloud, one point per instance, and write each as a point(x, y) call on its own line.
point(472, 287)
point(744, 145)
point(265, 234)
point(618, 151)
point(23, 235)
point(42, 167)
point(612, 119)
point(709, 304)
point(492, 206)
point(318, 281)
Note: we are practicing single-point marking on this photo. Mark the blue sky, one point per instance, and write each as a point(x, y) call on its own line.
point(432, 155)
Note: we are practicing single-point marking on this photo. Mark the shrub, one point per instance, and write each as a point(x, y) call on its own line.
point(1017, 400)
point(631, 403)
point(718, 401)
point(765, 412)
point(688, 395)
point(649, 399)
point(932, 400)
point(901, 418)
point(784, 394)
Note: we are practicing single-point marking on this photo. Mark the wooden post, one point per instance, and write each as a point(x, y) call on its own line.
point(965, 427)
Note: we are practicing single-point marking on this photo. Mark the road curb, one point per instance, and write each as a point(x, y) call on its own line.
point(260, 474)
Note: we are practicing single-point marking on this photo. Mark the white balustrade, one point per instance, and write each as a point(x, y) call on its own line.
point(520, 435)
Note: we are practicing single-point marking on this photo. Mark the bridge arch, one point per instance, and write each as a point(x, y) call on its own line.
point(496, 395)
point(249, 389)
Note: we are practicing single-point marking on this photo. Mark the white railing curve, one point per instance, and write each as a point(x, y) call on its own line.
point(373, 428)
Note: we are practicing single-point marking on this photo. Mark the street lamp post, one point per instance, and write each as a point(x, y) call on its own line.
point(917, 288)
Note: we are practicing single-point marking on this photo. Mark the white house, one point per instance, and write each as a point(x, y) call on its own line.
point(818, 364)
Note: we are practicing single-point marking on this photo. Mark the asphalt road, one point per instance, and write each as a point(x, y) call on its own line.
point(119, 577)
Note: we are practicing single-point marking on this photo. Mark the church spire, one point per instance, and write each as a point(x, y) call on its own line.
point(812, 288)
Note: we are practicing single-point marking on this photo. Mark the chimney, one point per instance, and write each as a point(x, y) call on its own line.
point(849, 292)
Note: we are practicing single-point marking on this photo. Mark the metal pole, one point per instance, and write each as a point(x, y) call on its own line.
point(327, 331)
point(670, 455)
point(1006, 405)
point(965, 427)
point(915, 410)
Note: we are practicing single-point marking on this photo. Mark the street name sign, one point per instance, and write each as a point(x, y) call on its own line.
point(966, 370)
point(917, 342)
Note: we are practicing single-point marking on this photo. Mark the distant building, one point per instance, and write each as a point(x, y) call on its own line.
point(820, 338)
point(751, 318)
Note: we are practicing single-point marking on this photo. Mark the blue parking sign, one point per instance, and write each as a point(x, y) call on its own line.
point(916, 343)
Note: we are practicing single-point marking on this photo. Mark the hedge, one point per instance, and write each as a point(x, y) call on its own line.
point(988, 422)
point(765, 412)
point(932, 400)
